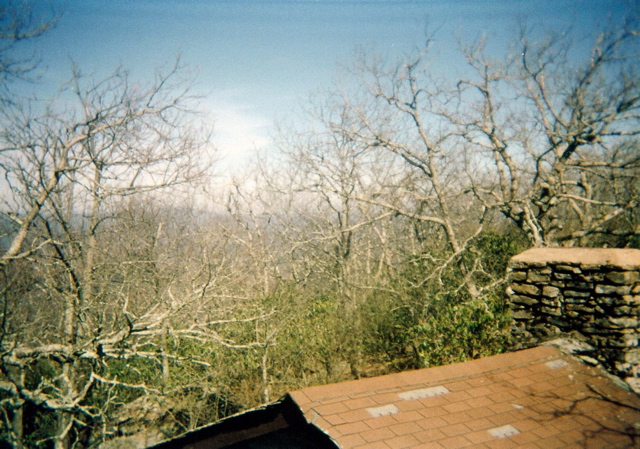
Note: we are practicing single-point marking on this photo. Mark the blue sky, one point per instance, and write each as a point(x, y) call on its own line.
point(257, 60)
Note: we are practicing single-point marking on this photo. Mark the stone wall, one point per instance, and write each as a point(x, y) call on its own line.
point(587, 299)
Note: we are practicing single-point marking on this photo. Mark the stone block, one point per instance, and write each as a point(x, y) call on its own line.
point(589, 360)
point(554, 311)
point(526, 300)
point(604, 289)
point(577, 285)
point(619, 323)
point(632, 356)
point(622, 367)
point(525, 289)
point(636, 289)
point(576, 294)
point(634, 383)
point(550, 292)
point(597, 276)
point(625, 341)
point(566, 269)
point(547, 330)
point(517, 264)
point(623, 277)
point(622, 311)
point(553, 302)
point(585, 278)
point(571, 293)
point(608, 300)
point(578, 301)
point(631, 300)
point(559, 321)
point(537, 277)
point(590, 267)
point(596, 328)
point(520, 330)
point(585, 319)
point(517, 276)
point(580, 308)
point(522, 315)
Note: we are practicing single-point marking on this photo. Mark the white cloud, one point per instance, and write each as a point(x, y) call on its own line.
point(239, 131)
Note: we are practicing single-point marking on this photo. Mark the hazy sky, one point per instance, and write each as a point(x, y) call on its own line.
point(257, 60)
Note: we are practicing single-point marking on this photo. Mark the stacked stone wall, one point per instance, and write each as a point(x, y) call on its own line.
point(590, 296)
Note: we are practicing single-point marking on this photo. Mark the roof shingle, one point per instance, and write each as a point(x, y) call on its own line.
point(536, 398)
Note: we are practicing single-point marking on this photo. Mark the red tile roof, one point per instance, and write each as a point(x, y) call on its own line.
point(536, 398)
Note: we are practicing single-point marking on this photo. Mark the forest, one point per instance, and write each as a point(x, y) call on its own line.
point(373, 239)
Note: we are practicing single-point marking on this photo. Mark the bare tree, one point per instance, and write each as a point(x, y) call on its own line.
point(561, 132)
point(73, 310)
point(18, 25)
point(401, 111)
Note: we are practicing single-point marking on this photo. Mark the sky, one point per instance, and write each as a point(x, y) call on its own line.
point(257, 61)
